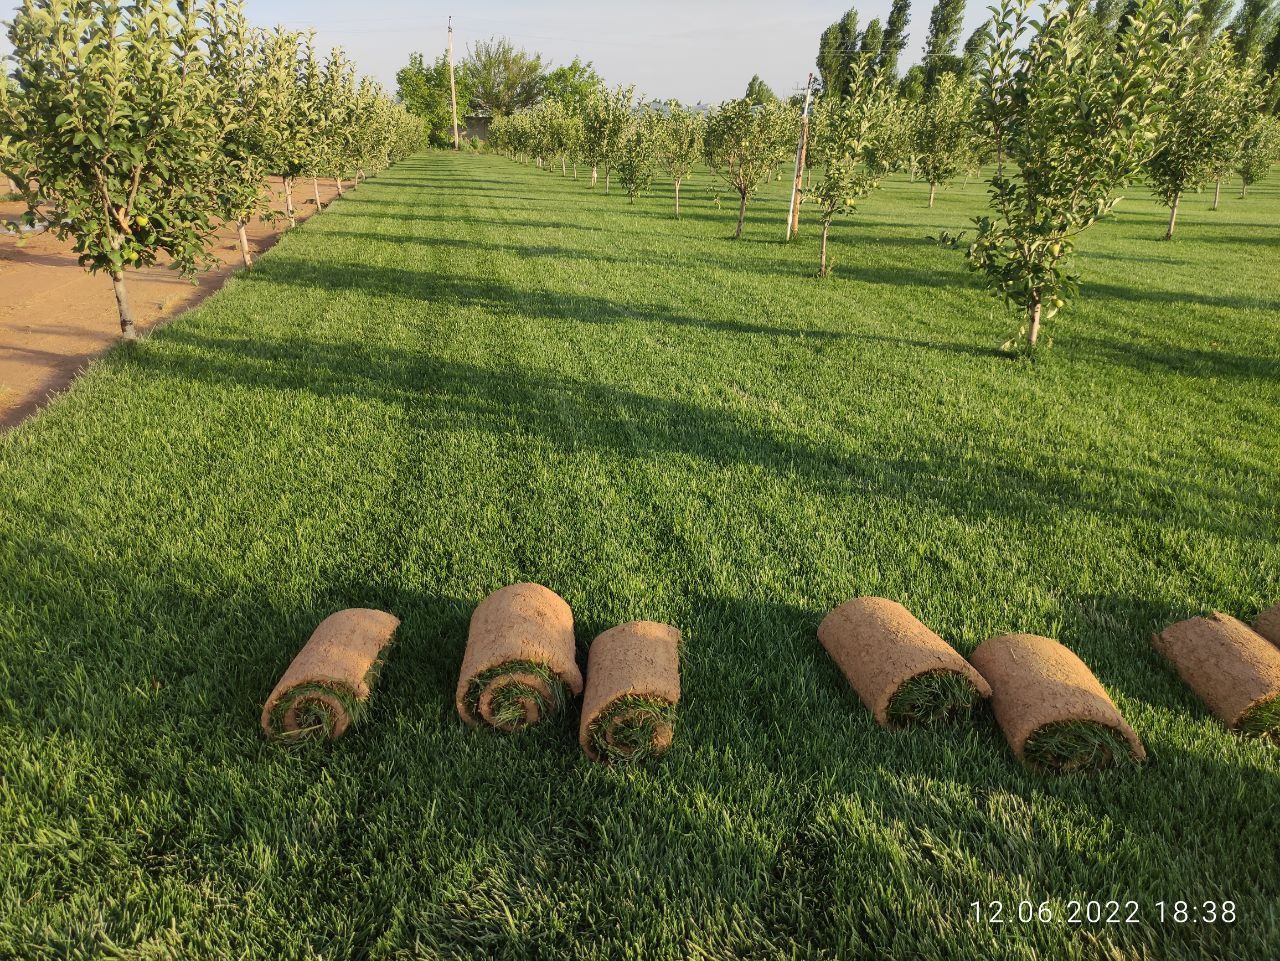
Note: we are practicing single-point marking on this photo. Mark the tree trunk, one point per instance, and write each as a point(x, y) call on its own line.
point(1173, 216)
point(1033, 331)
point(1244, 189)
point(822, 263)
point(315, 189)
point(564, 167)
point(122, 305)
point(288, 202)
point(933, 190)
point(742, 214)
point(1217, 192)
point(244, 244)
point(608, 172)
point(338, 181)
point(677, 198)
point(595, 175)
point(575, 170)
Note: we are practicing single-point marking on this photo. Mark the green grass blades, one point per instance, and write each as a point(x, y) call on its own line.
point(633, 729)
point(1069, 746)
point(469, 373)
point(1262, 720)
point(507, 707)
point(934, 697)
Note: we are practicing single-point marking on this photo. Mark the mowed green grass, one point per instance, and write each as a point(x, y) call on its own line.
point(470, 373)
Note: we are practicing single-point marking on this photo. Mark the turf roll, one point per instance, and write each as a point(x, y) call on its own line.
point(1233, 669)
point(1268, 625)
point(326, 687)
point(519, 667)
point(903, 672)
point(1054, 713)
point(633, 686)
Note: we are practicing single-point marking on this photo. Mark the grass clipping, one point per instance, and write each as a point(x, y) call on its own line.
point(1054, 713)
point(520, 666)
point(1235, 671)
point(633, 686)
point(327, 686)
point(903, 672)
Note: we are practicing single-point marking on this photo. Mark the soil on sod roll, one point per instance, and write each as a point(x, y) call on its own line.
point(1268, 625)
point(1234, 670)
point(633, 686)
point(903, 672)
point(519, 666)
point(1054, 713)
point(325, 688)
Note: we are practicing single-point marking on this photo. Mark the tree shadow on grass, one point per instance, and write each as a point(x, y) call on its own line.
point(210, 645)
point(1192, 361)
point(554, 251)
point(455, 291)
point(569, 413)
point(452, 220)
point(1150, 295)
point(950, 347)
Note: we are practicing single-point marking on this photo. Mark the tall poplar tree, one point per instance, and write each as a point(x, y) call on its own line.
point(895, 39)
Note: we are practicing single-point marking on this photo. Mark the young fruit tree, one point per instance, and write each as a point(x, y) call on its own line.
point(284, 131)
point(1214, 99)
point(118, 119)
point(553, 121)
point(10, 159)
point(607, 117)
point(242, 186)
point(1074, 114)
point(313, 145)
point(680, 144)
point(942, 132)
point(637, 156)
point(743, 143)
point(848, 141)
point(336, 113)
point(1259, 152)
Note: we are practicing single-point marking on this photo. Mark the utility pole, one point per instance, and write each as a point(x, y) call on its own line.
point(802, 149)
point(453, 91)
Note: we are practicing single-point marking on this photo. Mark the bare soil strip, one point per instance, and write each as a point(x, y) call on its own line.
point(55, 317)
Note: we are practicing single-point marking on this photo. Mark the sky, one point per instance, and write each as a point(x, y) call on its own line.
point(692, 51)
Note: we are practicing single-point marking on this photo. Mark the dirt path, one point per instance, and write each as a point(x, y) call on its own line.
point(55, 317)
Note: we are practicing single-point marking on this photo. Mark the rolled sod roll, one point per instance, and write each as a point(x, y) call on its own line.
point(519, 667)
point(633, 686)
point(903, 672)
point(1268, 625)
point(1235, 671)
point(326, 687)
point(1054, 713)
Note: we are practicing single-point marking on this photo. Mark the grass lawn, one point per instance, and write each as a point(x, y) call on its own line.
point(469, 373)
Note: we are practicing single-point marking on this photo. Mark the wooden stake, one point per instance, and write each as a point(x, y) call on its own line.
point(802, 149)
point(453, 91)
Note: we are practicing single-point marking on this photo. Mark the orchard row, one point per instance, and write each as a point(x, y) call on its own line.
point(137, 128)
point(1061, 107)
